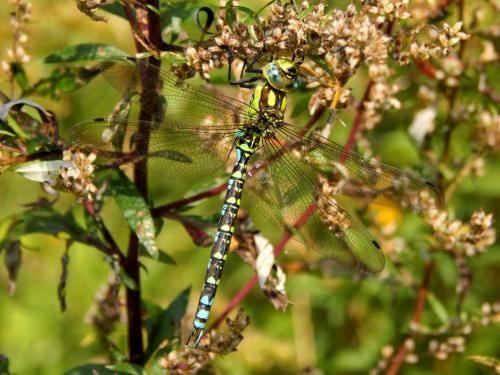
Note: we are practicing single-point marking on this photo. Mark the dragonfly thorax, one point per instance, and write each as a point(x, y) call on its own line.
point(270, 105)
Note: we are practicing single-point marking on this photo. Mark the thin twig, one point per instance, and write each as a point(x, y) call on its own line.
point(172, 206)
point(452, 102)
point(41, 155)
point(113, 249)
point(356, 125)
point(464, 172)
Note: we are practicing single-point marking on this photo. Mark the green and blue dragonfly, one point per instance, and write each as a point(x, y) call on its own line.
point(289, 172)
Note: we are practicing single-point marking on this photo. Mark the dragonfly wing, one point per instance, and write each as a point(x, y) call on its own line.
point(171, 151)
point(361, 178)
point(185, 105)
point(288, 188)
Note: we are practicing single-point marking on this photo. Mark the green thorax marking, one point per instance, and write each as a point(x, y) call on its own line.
point(269, 98)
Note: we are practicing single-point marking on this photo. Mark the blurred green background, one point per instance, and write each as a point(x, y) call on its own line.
point(335, 324)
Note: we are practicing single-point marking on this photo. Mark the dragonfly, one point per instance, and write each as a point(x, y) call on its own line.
point(288, 170)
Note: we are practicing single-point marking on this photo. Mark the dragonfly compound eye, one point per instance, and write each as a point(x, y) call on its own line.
point(274, 74)
point(281, 74)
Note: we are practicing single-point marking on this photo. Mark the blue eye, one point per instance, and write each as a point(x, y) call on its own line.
point(274, 73)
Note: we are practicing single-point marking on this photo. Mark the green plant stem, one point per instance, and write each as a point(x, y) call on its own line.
point(452, 102)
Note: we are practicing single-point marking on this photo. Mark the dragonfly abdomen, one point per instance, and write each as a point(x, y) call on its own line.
point(245, 148)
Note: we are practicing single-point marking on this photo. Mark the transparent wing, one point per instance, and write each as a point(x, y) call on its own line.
point(288, 189)
point(295, 173)
point(170, 151)
point(184, 105)
point(193, 131)
point(356, 176)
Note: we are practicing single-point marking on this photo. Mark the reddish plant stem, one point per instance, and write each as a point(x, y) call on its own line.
point(163, 210)
point(41, 155)
point(426, 68)
point(148, 24)
point(398, 359)
point(278, 249)
point(356, 125)
point(422, 294)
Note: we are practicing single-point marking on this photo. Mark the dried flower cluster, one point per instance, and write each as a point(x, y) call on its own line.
point(20, 18)
point(488, 130)
point(343, 40)
point(334, 219)
point(441, 346)
point(444, 39)
point(187, 360)
point(78, 179)
point(454, 236)
point(106, 311)
point(89, 8)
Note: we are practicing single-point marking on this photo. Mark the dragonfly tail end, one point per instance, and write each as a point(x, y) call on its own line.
point(195, 337)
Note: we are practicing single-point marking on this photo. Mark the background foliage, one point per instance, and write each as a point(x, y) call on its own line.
point(435, 309)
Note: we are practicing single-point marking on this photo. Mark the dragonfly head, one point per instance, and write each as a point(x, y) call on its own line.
point(282, 74)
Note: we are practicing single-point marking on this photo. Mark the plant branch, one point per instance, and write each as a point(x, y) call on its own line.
point(148, 22)
point(113, 249)
point(168, 208)
point(356, 125)
point(398, 359)
point(464, 172)
point(452, 101)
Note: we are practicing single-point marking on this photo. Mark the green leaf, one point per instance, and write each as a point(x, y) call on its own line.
point(135, 210)
point(170, 10)
point(7, 133)
point(163, 257)
point(5, 227)
point(19, 76)
point(127, 368)
point(90, 369)
point(38, 220)
point(114, 351)
point(305, 12)
point(64, 80)
point(83, 52)
point(230, 14)
point(437, 307)
point(44, 219)
point(162, 326)
point(153, 9)
point(114, 8)
point(397, 149)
